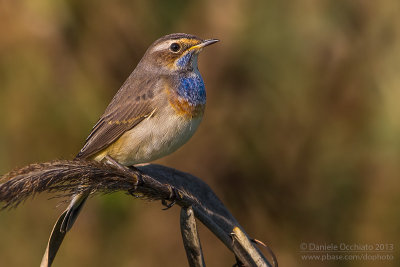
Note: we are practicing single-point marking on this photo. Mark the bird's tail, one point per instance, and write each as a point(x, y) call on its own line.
point(72, 212)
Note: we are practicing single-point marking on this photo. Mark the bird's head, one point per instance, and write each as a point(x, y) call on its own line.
point(175, 52)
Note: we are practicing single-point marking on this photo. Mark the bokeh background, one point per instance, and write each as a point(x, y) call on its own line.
point(301, 137)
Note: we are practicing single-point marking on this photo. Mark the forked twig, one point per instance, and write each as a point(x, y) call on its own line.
point(67, 178)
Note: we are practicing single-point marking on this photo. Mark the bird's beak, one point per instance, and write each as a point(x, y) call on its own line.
point(203, 44)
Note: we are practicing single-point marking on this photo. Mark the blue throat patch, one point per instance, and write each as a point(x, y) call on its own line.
point(185, 60)
point(191, 88)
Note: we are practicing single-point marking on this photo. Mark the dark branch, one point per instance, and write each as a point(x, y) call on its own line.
point(191, 239)
point(149, 181)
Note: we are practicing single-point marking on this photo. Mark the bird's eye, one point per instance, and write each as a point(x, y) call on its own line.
point(175, 47)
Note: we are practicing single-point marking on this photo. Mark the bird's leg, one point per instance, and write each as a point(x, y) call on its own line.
point(116, 164)
point(125, 169)
point(173, 192)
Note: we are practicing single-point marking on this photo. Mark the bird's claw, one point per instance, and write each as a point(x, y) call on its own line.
point(167, 205)
point(172, 197)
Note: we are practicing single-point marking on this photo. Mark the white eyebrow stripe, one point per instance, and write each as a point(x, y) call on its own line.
point(162, 46)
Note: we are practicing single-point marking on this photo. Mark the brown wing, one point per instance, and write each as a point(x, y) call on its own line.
point(131, 104)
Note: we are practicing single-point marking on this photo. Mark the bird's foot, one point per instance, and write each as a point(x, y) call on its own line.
point(137, 176)
point(174, 194)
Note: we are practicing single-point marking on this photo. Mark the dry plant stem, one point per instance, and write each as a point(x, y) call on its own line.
point(154, 182)
point(242, 247)
point(57, 236)
point(55, 240)
point(191, 239)
point(269, 250)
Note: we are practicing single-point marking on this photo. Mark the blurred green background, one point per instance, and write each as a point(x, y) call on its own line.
point(300, 138)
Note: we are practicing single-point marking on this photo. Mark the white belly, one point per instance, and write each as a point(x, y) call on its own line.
point(153, 138)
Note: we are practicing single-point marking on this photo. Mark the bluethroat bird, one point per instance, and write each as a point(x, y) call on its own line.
point(157, 110)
